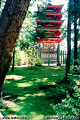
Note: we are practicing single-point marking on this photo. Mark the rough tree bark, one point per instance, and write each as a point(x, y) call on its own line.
point(11, 21)
point(68, 41)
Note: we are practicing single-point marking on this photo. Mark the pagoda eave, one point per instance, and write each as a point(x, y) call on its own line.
point(50, 21)
point(50, 40)
point(50, 30)
point(54, 16)
point(54, 9)
point(53, 6)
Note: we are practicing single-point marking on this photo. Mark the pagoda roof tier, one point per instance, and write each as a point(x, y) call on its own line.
point(54, 16)
point(52, 32)
point(54, 9)
point(50, 23)
point(50, 40)
point(51, 35)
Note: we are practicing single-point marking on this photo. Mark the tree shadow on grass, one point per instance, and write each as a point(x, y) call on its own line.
point(30, 93)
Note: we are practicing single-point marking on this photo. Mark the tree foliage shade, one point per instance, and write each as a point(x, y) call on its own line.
point(40, 15)
point(25, 38)
point(75, 8)
point(39, 35)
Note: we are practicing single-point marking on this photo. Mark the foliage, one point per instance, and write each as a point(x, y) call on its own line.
point(78, 55)
point(25, 38)
point(39, 26)
point(31, 55)
point(39, 35)
point(38, 61)
point(24, 45)
point(40, 15)
point(75, 8)
point(20, 57)
point(69, 107)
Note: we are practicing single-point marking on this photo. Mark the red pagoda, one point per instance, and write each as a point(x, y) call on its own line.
point(51, 27)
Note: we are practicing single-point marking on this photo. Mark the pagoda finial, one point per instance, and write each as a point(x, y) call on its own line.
point(48, 2)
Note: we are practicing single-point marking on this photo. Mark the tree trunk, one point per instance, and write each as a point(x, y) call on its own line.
point(75, 42)
point(58, 53)
point(0, 97)
point(13, 60)
point(75, 34)
point(68, 42)
point(10, 24)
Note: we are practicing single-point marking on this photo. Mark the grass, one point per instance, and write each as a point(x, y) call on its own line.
point(26, 91)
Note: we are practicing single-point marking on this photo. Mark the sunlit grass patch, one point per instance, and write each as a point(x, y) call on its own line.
point(21, 98)
point(37, 116)
point(15, 77)
point(54, 75)
point(51, 83)
point(24, 84)
point(41, 80)
point(56, 68)
point(37, 94)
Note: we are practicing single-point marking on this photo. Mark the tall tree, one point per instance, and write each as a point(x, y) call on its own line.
point(11, 21)
point(76, 3)
point(68, 40)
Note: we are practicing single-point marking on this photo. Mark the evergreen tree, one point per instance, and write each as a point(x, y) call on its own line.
point(76, 15)
point(68, 41)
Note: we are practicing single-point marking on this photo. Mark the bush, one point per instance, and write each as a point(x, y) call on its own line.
point(78, 55)
point(69, 107)
point(38, 62)
point(20, 58)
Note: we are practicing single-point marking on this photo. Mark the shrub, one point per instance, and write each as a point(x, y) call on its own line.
point(69, 107)
point(38, 62)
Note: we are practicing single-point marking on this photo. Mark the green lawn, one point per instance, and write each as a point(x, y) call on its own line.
point(26, 92)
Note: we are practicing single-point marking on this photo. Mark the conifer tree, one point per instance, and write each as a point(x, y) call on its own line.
point(68, 41)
